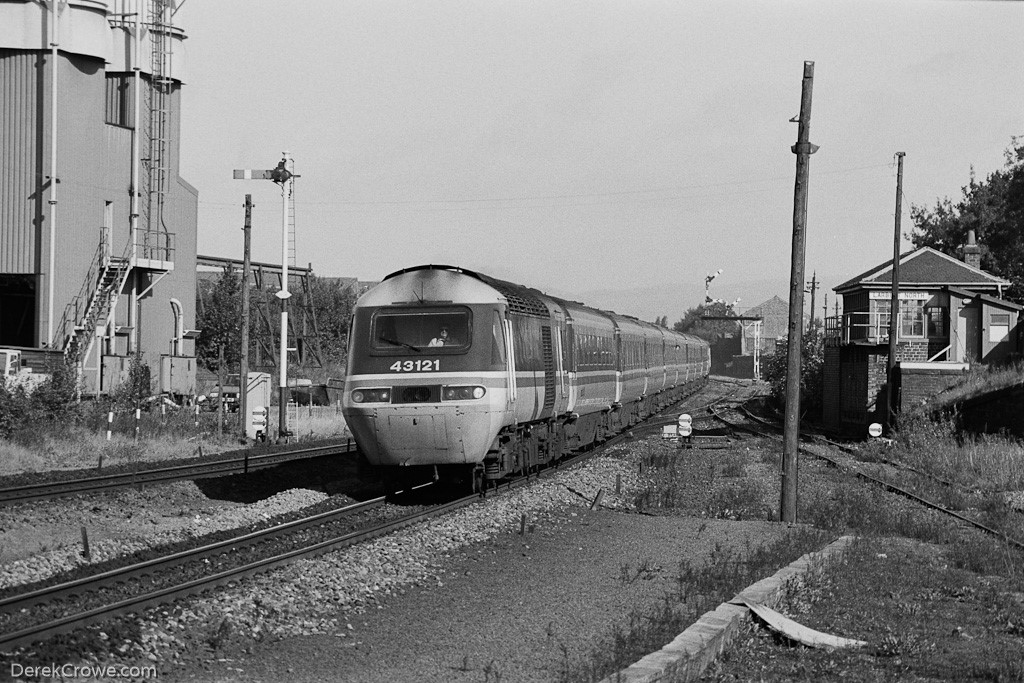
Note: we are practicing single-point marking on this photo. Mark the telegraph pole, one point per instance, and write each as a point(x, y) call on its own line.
point(803, 150)
point(894, 301)
point(243, 380)
point(812, 288)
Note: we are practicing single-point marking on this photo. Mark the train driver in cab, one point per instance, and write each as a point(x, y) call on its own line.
point(442, 338)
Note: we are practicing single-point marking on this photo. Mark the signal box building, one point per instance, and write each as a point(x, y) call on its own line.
point(951, 316)
point(97, 229)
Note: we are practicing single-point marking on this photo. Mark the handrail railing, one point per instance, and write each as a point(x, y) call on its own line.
point(860, 326)
point(155, 245)
point(80, 301)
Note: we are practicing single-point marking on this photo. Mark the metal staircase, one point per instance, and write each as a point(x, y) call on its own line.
point(94, 302)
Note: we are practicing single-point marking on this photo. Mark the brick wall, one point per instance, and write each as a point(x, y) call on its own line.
point(917, 385)
point(912, 351)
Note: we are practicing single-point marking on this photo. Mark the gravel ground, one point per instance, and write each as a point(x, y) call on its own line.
point(39, 540)
point(465, 597)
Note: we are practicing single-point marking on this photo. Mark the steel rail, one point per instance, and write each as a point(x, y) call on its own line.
point(90, 583)
point(238, 464)
point(894, 489)
point(70, 622)
point(197, 586)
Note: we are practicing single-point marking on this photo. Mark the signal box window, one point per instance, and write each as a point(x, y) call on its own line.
point(999, 327)
point(414, 331)
point(936, 321)
point(912, 318)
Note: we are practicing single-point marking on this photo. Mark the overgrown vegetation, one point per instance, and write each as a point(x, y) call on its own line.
point(980, 379)
point(699, 587)
point(219, 315)
point(53, 402)
point(942, 584)
point(774, 370)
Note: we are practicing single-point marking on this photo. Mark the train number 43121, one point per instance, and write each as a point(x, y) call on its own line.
point(416, 365)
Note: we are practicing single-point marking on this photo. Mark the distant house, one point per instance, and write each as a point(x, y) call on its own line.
point(951, 315)
point(774, 326)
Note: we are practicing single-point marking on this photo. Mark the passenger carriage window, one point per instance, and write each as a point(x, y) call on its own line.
point(415, 330)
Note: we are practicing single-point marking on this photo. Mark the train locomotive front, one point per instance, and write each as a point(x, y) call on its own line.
point(482, 378)
point(428, 376)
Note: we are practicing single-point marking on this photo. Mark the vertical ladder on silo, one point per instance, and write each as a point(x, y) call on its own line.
point(158, 101)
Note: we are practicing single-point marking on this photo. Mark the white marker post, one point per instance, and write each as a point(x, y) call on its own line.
point(684, 427)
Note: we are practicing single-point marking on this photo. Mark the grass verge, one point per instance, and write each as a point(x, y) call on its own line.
point(934, 599)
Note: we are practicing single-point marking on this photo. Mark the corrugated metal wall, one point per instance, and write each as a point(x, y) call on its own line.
point(94, 168)
point(21, 170)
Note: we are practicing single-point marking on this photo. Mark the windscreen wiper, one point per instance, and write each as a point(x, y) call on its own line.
point(400, 343)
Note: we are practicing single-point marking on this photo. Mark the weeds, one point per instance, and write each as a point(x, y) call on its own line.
point(743, 500)
point(699, 587)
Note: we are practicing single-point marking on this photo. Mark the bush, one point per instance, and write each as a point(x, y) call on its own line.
point(55, 399)
point(774, 369)
point(13, 409)
point(137, 388)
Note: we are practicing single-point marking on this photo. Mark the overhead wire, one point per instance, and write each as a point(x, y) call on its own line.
point(628, 196)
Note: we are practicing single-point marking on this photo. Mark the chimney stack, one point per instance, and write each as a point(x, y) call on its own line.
point(972, 252)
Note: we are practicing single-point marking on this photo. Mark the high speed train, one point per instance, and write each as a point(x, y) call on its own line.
point(478, 378)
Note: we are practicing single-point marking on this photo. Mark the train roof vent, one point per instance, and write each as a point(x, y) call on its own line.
point(520, 299)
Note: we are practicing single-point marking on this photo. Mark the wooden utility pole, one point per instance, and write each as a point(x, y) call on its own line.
point(894, 301)
point(243, 370)
point(803, 150)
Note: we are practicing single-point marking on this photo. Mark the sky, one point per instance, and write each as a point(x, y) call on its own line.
point(615, 152)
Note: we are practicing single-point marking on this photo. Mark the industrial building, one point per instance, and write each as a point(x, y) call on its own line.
point(97, 229)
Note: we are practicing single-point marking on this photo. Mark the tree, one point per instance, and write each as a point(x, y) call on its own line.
point(220, 320)
point(710, 330)
point(994, 209)
point(333, 303)
point(775, 367)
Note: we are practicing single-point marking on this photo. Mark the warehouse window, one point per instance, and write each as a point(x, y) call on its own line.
point(120, 99)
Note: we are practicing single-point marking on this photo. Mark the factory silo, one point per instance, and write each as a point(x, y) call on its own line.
point(97, 229)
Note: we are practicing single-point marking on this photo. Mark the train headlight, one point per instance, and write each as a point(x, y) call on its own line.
point(371, 395)
point(451, 393)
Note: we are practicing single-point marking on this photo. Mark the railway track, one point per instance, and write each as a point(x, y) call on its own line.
point(239, 462)
point(46, 612)
point(60, 608)
point(864, 476)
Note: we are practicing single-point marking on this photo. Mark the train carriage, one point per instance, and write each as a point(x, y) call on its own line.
point(479, 378)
